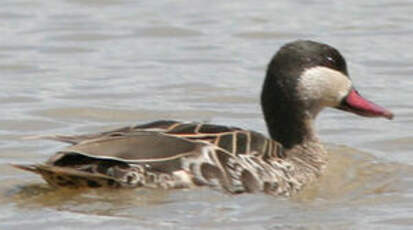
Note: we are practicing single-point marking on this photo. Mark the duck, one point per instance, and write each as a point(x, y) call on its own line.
point(302, 78)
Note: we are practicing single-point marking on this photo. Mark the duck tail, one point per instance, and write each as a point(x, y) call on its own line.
point(30, 168)
point(61, 138)
point(69, 177)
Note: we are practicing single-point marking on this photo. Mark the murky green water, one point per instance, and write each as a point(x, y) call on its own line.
point(83, 66)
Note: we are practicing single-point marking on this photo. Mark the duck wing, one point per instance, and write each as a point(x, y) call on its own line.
point(139, 147)
point(159, 126)
point(136, 159)
point(166, 154)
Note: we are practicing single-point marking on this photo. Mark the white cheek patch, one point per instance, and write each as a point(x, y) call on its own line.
point(323, 85)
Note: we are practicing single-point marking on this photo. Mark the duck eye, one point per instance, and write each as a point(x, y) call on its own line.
point(330, 59)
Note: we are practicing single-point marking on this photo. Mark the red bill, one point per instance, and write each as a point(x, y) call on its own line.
point(357, 104)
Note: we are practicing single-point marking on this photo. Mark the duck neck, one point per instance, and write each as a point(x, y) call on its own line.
point(289, 127)
point(288, 120)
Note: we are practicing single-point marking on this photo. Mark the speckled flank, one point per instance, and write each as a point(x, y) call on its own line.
point(234, 159)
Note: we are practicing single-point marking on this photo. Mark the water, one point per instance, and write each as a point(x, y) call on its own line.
point(84, 66)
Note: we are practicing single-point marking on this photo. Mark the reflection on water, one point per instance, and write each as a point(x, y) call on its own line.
point(97, 202)
point(353, 178)
point(72, 66)
point(356, 177)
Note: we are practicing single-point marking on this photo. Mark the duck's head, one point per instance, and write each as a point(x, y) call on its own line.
point(303, 78)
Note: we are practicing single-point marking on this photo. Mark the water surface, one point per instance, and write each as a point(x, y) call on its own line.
point(84, 66)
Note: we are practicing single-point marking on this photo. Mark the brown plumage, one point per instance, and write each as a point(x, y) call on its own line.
point(302, 78)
